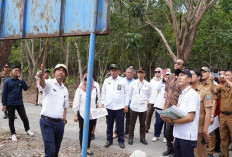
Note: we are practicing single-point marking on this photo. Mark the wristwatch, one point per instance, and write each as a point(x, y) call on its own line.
point(212, 116)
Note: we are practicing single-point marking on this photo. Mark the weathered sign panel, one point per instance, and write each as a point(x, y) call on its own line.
point(51, 18)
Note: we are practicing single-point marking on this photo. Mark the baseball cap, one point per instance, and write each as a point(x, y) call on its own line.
point(168, 71)
point(6, 65)
point(187, 72)
point(47, 70)
point(141, 69)
point(114, 66)
point(59, 66)
point(205, 69)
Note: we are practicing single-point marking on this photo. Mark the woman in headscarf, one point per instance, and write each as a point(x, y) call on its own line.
point(79, 109)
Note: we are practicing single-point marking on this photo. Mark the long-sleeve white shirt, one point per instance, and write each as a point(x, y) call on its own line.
point(155, 85)
point(114, 93)
point(139, 94)
point(159, 103)
point(79, 101)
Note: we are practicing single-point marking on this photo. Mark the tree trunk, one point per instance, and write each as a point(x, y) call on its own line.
point(67, 55)
point(21, 57)
point(5, 50)
point(78, 58)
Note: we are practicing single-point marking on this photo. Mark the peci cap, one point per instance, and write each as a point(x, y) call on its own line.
point(141, 69)
point(205, 69)
point(187, 72)
point(114, 66)
point(59, 66)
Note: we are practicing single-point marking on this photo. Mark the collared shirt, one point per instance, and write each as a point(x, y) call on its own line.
point(172, 91)
point(55, 99)
point(189, 101)
point(159, 103)
point(206, 101)
point(79, 101)
point(139, 94)
point(12, 92)
point(129, 81)
point(226, 98)
point(155, 86)
point(98, 92)
point(114, 93)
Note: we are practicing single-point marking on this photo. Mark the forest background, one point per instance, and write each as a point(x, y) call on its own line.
point(148, 33)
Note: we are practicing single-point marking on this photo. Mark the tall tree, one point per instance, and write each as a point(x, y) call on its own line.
point(5, 49)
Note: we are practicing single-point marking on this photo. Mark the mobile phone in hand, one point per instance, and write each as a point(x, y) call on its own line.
point(203, 141)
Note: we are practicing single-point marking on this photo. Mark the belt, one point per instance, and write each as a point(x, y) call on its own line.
point(52, 119)
point(227, 113)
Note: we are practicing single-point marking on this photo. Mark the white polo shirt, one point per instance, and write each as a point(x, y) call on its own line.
point(139, 94)
point(79, 101)
point(114, 93)
point(55, 99)
point(189, 101)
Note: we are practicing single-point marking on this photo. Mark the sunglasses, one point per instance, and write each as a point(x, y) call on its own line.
point(178, 63)
point(157, 71)
point(85, 79)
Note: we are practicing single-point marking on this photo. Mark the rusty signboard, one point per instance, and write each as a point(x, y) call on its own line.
point(51, 18)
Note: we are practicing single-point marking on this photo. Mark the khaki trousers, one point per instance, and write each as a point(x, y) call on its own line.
point(212, 142)
point(201, 149)
point(225, 127)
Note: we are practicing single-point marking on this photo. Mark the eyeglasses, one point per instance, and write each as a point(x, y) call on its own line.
point(179, 63)
point(157, 71)
point(85, 79)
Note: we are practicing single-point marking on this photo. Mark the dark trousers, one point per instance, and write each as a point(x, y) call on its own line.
point(218, 140)
point(184, 148)
point(119, 116)
point(169, 136)
point(11, 115)
point(37, 96)
point(127, 121)
point(142, 119)
point(81, 124)
point(52, 133)
point(158, 125)
point(150, 111)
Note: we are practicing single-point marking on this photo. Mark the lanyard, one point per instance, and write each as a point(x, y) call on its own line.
point(140, 87)
point(179, 102)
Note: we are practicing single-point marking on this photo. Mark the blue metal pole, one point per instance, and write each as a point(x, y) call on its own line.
point(89, 78)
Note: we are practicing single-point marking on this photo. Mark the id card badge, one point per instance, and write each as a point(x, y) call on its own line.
point(119, 87)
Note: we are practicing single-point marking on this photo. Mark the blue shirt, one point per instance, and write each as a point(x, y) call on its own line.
point(12, 92)
point(128, 82)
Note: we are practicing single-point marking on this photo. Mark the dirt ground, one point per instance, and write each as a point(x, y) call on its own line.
point(27, 146)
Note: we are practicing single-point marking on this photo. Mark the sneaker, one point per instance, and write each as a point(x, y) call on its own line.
point(14, 138)
point(115, 135)
point(30, 133)
point(154, 139)
point(164, 140)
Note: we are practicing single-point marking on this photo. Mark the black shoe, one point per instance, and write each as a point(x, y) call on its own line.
point(143, 141)
point(5, 116)
point(92, 136)
point(171, 155)
point(121, 145)
point(90, 153)
point(108, 143)
point(210, 155)
point(130, 141)
point(167, 152)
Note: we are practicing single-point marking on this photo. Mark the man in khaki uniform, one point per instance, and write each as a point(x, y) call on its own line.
point(206, 84)
point(3, 76)
point(225, 119)
point(205, 112)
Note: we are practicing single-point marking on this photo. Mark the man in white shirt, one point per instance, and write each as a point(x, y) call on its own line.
point(139, 93)
point(185, 129)
point(54, 109)
point(114, 92)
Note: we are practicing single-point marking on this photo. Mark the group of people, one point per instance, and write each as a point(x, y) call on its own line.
point(195, 92)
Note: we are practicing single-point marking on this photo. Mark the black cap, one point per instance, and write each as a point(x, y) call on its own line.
point(187, 72)
point(141, 69)
point(47, 71)
point(17, 66)
point(114, 66)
